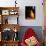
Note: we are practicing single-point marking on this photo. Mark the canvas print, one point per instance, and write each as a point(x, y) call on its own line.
point(30, 12)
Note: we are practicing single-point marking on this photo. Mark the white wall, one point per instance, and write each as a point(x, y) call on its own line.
point(22, 3)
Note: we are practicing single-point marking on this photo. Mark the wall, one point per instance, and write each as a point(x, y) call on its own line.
point(39, 10)
point(22, 3)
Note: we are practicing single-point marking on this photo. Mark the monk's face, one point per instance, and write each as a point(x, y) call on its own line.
point(32, 14)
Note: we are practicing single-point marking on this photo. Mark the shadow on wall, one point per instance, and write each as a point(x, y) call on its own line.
point(37, 29)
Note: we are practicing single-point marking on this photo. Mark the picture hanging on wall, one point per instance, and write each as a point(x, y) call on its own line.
point(30, 12)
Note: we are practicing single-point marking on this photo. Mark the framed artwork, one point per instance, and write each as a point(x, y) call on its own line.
point(6, 34)
point(5, 12)
point(13, 12)
point(9, 34)
point(30, 12)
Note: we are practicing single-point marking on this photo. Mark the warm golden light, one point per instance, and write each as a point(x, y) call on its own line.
point(31, 14)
